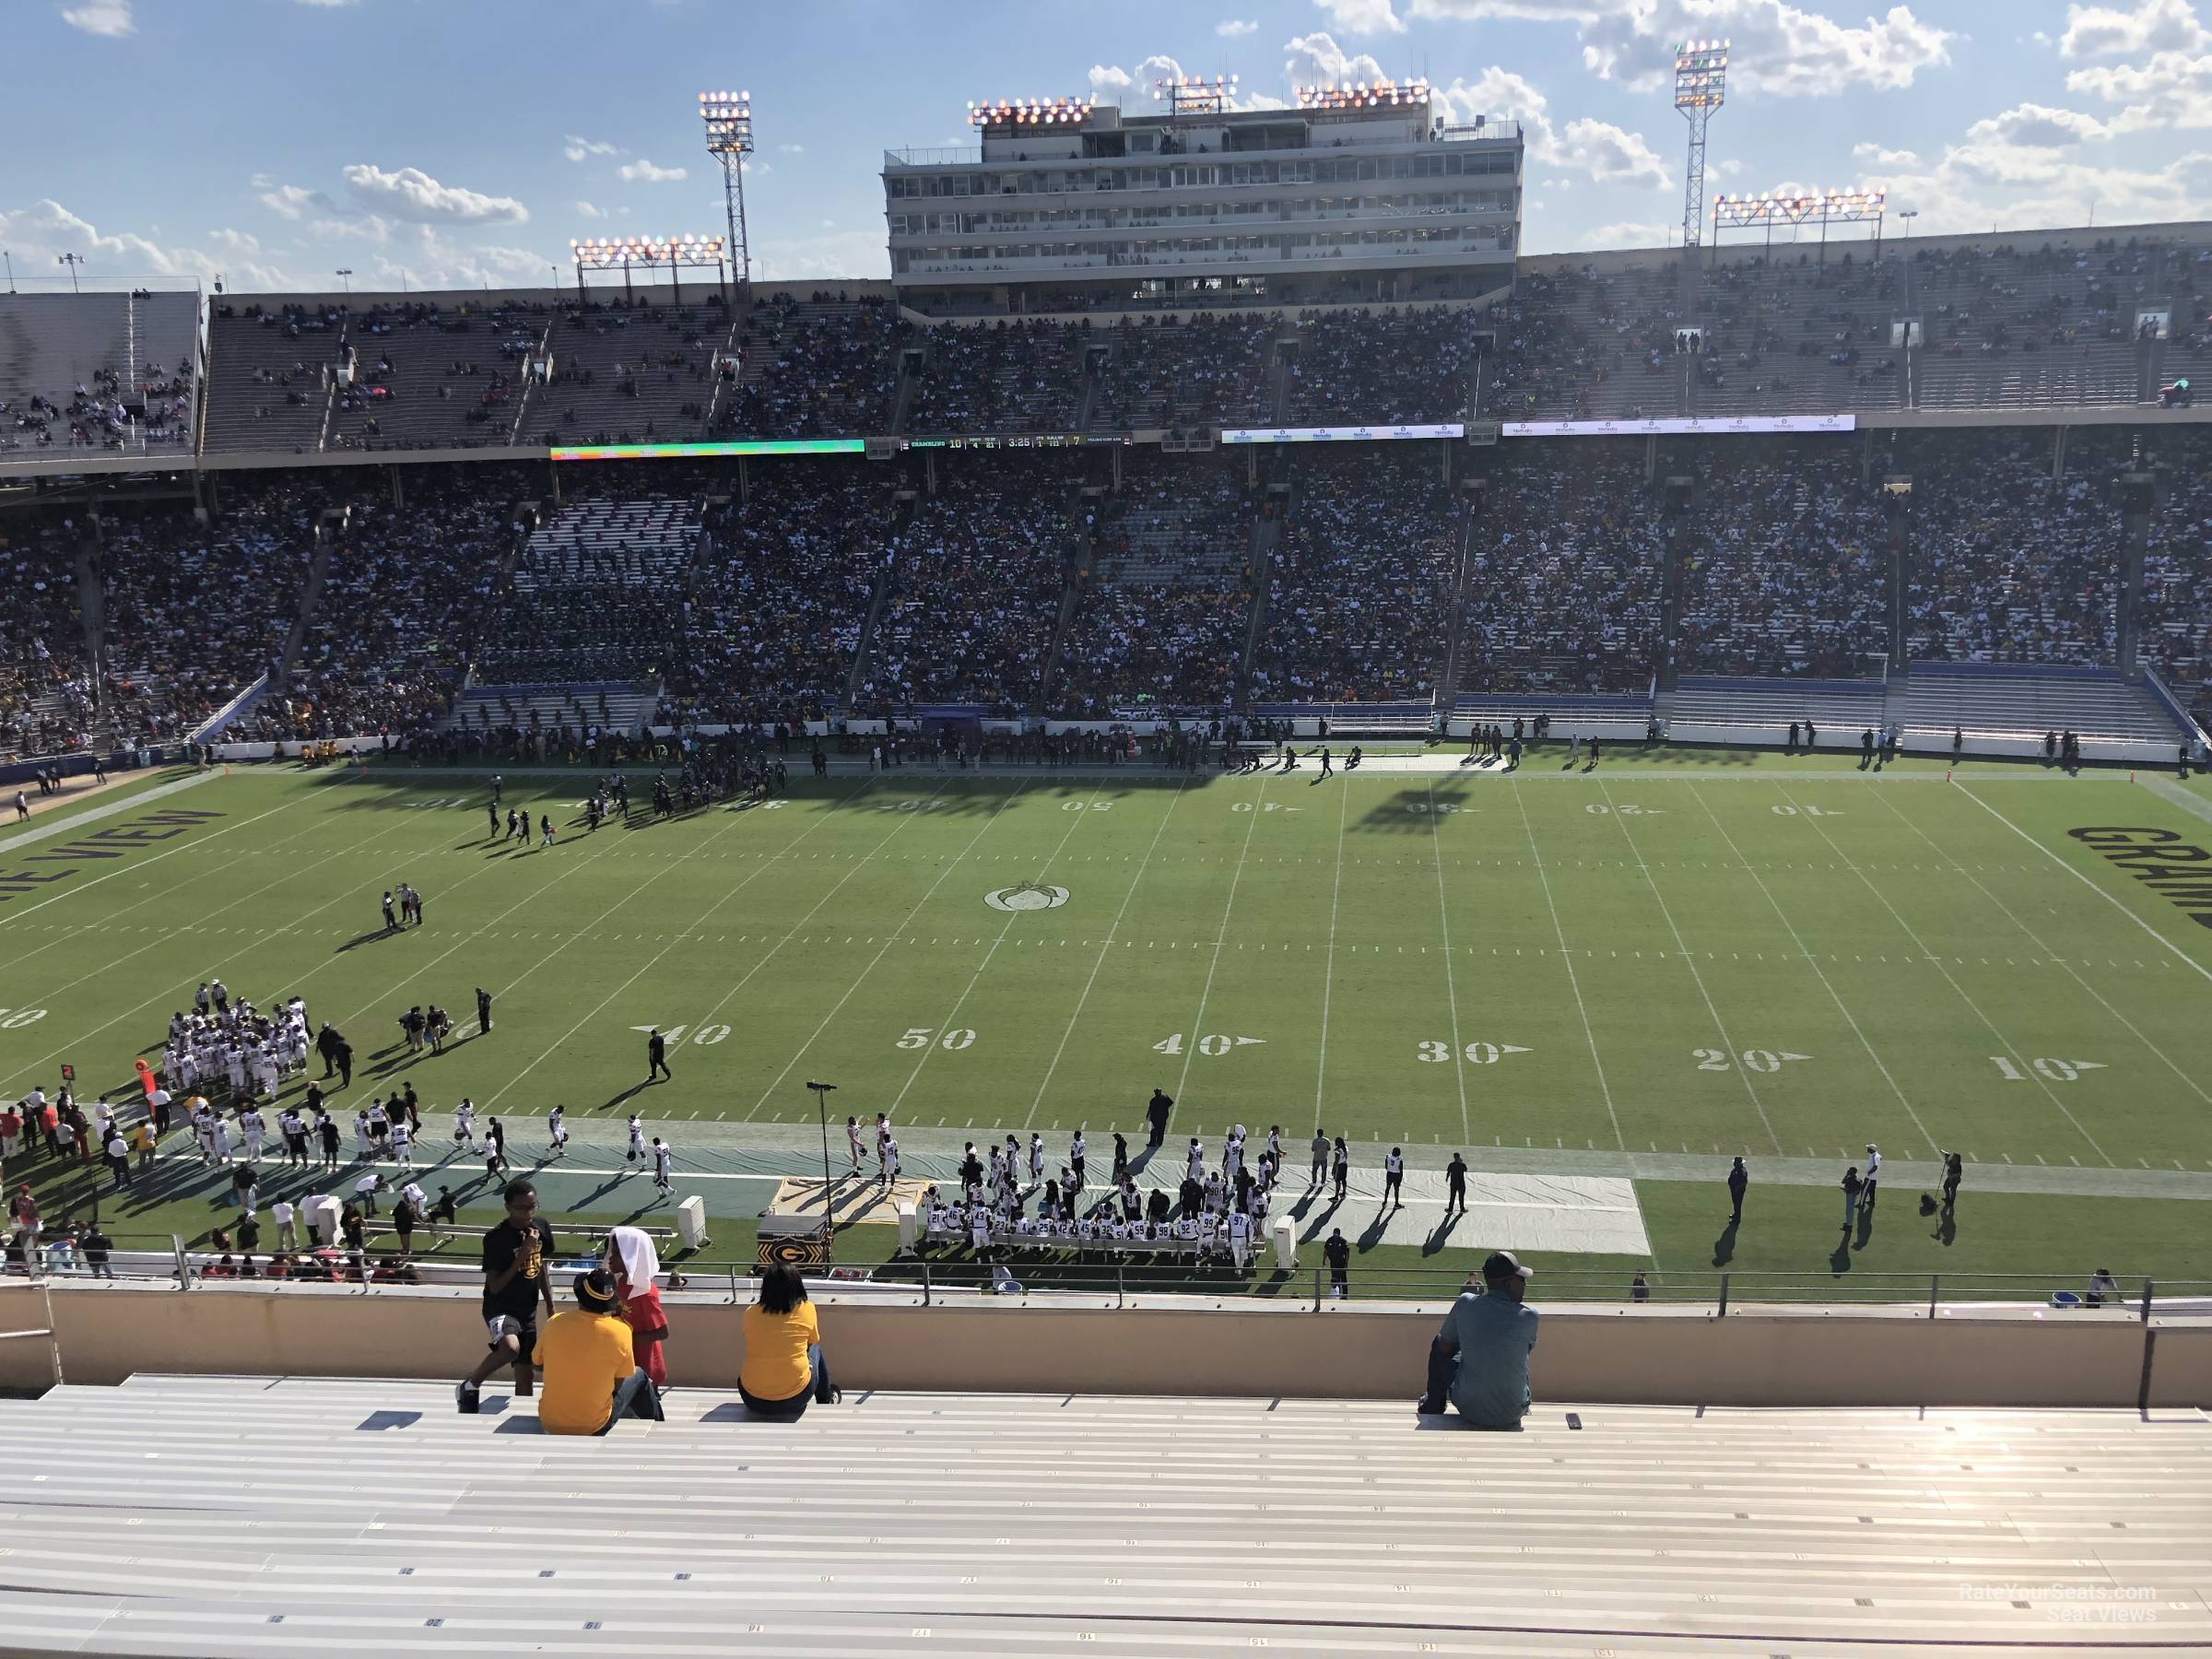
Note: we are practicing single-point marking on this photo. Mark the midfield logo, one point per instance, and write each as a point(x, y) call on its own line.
point(1029, 896)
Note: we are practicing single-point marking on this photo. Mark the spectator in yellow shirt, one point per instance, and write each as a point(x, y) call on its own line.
point(783, 1370)
point(590, 1371)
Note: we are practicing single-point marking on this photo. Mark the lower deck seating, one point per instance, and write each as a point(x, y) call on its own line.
point(1842, 706)
point(265, 1515)
point(2099, 707)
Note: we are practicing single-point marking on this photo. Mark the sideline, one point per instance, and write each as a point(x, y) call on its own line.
point(45, 828)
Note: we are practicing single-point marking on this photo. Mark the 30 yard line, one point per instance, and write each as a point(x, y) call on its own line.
point(1575, 982)
point(1328, 972)
point(1106, 945)
point(1220, 938)
point(1918, 943)
point(1833, 996)
point(2195, 1087)
point(951, 1019)
point(1742, 1073)
point(1443, 916)
point(951, 864)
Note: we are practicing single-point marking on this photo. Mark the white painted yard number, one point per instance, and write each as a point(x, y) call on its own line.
point(1085, 806)
point(707, 1036)
point(1427, 807)
point(895, 806)
point(1477, 1053)
point(2056, 1071)
point(1213, 1045)
point(1809, 811)
point(21, 1017)
point(918, 1037)
point(1755, 1060)
point(1599, 810)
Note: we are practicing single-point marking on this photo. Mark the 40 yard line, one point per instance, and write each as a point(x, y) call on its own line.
point(1220, 937)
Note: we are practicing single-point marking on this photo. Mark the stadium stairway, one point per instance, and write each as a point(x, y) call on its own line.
point(264, 1515)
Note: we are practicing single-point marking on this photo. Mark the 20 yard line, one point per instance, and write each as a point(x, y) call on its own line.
point(1104, 947)
point(1918, 943)
point(1220, 938)
point(1742, 1073)
point(1814, 963)
point(1443, 916)
point(1328, 973)
point(1575, 982)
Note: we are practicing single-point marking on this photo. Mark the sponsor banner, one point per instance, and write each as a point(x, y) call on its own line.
point(1356, 434)
point(769, 446)
point(1719, 426)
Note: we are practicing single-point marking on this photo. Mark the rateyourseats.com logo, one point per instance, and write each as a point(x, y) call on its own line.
point(2075, 1603)
point(1029, 896)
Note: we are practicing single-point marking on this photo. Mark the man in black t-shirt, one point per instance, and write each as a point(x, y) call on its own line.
point(517, 1253)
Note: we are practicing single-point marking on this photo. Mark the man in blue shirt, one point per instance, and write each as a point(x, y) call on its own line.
point(1479, 1360)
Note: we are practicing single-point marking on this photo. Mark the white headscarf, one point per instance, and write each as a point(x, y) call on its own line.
point(640, 1261)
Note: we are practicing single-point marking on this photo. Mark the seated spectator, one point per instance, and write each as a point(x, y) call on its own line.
point(783, 1371)
point(1479, 1360)
point(590, 1372)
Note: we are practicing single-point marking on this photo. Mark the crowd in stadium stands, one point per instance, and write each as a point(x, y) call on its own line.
point(2007, 566)
point(2175, 611)
point(1160, 374)
point(976, 578)
point(999, 376)
point(425, 377)
point(1563, 585)
point(778, 598)
point(45, 693)
point(1385, 366)
point(1786, 572)
point(823, 368)
point(1359, 596)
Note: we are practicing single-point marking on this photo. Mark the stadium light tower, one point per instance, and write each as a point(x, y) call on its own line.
point(1700, 88)
point(72, 261)
point(729, 119)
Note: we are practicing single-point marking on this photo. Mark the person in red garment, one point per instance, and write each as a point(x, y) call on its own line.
point(636, 1265)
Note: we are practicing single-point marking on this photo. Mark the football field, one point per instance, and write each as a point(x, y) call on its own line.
point(1687, 957)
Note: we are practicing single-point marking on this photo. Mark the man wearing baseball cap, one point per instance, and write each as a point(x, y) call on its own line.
point(592, 1375)
point(1479, 1360)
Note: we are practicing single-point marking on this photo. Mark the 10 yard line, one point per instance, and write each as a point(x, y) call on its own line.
point(1104, 947)
point(1328, 976)
point(1451, 991)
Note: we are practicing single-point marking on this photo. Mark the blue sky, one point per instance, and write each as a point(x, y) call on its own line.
point(456, 142)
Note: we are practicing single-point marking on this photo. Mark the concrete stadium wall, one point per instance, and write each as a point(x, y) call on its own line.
point(1654, 1355)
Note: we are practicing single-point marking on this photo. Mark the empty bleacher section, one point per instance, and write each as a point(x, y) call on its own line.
point(2009, 710)
point(578, 708)
point(1205, 372)
point(260, 1514)
point(628, 374)
point(999, 376)
point(1571, 714)
point(98, 372)
point(269, 384)
point(1161, 619)
point(430, 376)
point(825, 367)
point(1359, 603)
point(1563, 594)
point(1707, 710)
point(1784, 568)
point(596, 596)
point(778, 598)
point(977, 578)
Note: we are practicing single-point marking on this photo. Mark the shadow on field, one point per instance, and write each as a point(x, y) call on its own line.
point(1411, 810)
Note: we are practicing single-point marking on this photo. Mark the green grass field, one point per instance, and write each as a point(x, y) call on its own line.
point(1690, 954)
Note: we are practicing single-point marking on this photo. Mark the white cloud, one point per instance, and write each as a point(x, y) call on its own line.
point(1112, 84)
point(578, 149)
point(1317, 60)
point(2152, 26)
point(1880, 157)
point(1778, 48)
point(588, 210)
point(292, 201)
point(1257, 100)
point(1627, 233)
point(111, 17)
point(850, 254)
point(644, 172)
point(1362, 17)
point(2173, 89)
point(2038, 126)
point(1106, 80)
point(369, 228)
point(1610, 155)
point(411, 193)
point(40, 233)
point(1236, 28)
point(791, 149)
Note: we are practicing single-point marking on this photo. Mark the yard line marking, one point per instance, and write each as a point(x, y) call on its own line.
point(1198, 1022)
point(1443, 916)
point(1742, 1073)
point(1328, 973)
point(45, 826)
point(2077, 979)
point(1814, 963)
point(1574, 983)
point(759, 870)
point(1107, 945)
point(2085, 880)
point(1874, 887)
point(951, 864)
